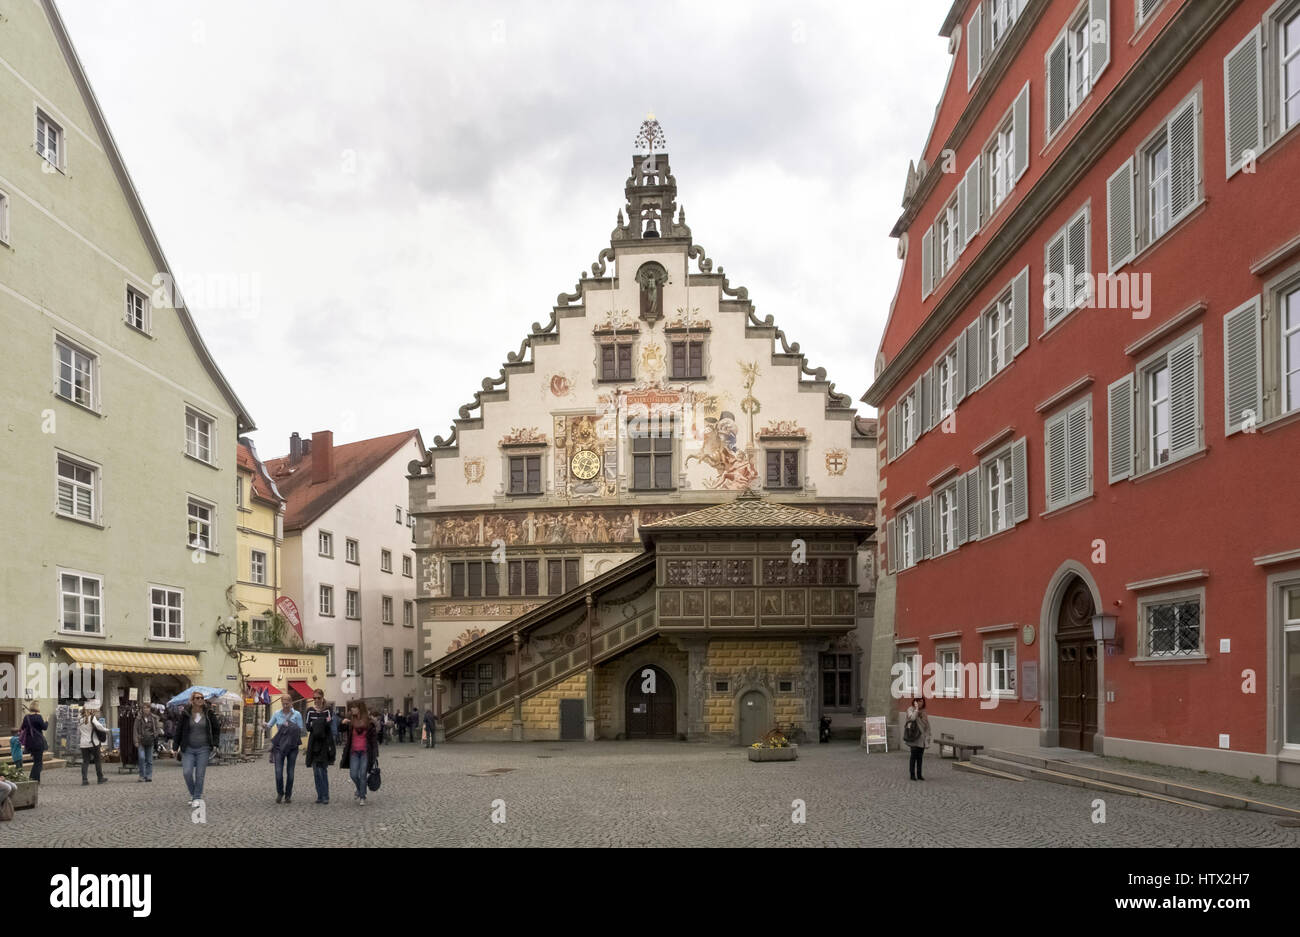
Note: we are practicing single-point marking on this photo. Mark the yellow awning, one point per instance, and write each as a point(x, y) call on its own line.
point(135, 661)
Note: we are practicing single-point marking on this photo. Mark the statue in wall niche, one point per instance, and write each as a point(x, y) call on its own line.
point(652, 277)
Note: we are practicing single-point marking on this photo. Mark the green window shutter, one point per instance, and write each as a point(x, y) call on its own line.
point(1184, 398)
point(1243, 100)
point(1119, 217)
point(1119, 405)
point(1243, 371)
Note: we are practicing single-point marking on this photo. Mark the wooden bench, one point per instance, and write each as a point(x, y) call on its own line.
point(959, 749)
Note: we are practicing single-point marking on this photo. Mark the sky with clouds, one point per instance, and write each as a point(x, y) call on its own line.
point(367, 205)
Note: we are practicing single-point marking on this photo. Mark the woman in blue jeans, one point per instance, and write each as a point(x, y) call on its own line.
point(360, 747)
point(197, 734)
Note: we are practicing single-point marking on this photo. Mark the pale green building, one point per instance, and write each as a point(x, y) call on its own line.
point(118, 453)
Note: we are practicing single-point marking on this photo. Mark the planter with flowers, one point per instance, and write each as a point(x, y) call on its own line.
point(773, 747)
point(25, 796)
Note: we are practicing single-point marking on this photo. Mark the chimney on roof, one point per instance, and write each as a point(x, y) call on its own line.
point(322, 456)
point(295, 449)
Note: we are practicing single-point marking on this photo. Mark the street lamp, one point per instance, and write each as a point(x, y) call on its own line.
point(1103, 628)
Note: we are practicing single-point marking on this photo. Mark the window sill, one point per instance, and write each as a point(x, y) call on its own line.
point(651, 491)
point(1048, 330)
point(1146, 251)
point(385, 622)
point(351, 562)
point(82, 634)
point(350, 617)
point(388, 571)
point(1278, 422)
point(154, 637)
point(408, 575)
point(683, 378)
point(405, 625)
point(141, 332)
point(1182, 659)
point(80, 406)
point(326, 615)
point(525, 494)
point(1078, 502)
point(82, 521)
point(613, 380)
point(1170, 466)
point(190, 546)
point(204, 462)
point(325, 556)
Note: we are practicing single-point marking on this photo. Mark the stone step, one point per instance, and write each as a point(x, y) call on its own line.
point(988, 772)
point(27, 763)
point(1043, 773)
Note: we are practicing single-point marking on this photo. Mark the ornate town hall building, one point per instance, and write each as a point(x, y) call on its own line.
point(652, 392)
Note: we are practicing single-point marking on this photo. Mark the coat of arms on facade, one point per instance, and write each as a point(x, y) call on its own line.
point(523, 435)
point(733, 467)
point(474, 470)
point(560, 385)
point(652, 361)
point(837, 460)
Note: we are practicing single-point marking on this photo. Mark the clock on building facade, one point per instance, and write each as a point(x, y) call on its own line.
point(585, 464)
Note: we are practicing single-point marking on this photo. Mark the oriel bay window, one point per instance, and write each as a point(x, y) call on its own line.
point(652, 452)
point(525, 474)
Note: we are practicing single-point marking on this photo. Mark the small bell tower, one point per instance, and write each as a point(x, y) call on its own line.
point(651, 190)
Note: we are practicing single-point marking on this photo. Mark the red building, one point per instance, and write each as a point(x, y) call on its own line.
point(1090, 385)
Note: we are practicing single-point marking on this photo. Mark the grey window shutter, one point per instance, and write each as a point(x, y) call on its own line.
point(1119, 217)
point(1076, 260)
point(1055, 461)
point(891, 545)
point(1099, 50)
point(1184, 160)
point(972, 356)
point(1119, 405)
point(927, 262)
point(1019, 482)
point(959, 372)
point(1078, 431)
point(1055, 93)
point(924, 397)
point(1056, 289)
point(970, 212)
point(974, 47)
point(1020, 132)
point(959, 493)
point(1243, 381)
point(1184, 398)
point(891, 429)
point(1243, 100)
point(959, 235)
point(982, 500)
point(971, 481)
point(925, 522)
point(1020, 312)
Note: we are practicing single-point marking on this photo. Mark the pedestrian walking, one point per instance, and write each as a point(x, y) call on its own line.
point(430, 728)
point(413, 724)
point(360, 747)
point(32, 735)
point(916, 736)
point(284, 747)
point(146, 732)
point(91, 733)
point(321, 732)
point(196, 736)
point(401, 727)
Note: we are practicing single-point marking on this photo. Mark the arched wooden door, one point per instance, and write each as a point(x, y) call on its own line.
point(651, 711)
point(1076, 668)
point(754, 722)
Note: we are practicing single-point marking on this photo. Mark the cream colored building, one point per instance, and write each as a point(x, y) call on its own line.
point(653, 389)
point(117, 466)
point(260, 532)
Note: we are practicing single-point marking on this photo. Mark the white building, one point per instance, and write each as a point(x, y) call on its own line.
point(349, 562)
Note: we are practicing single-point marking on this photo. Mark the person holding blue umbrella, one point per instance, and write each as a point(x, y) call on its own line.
point(197, 734)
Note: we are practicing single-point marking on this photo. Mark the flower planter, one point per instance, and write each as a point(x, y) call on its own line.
point(789, 753)
point(26, 794)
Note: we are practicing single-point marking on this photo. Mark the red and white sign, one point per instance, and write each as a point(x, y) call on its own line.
point(284, 605)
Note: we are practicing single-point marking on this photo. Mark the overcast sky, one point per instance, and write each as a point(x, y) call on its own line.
point(353, 176)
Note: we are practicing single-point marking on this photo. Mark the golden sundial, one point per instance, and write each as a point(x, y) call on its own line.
point(585, 465)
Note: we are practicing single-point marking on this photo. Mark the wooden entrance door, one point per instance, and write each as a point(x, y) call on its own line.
point(573, 719)
point(9, 717)
point(1076, 668)
point(651, 715)
point(754, 722)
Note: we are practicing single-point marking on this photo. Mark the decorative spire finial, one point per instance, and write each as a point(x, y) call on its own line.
point(650, 136)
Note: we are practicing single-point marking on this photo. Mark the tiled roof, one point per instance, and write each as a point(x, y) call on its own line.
point(353, 462)
point(263, 487)
point(749, 511)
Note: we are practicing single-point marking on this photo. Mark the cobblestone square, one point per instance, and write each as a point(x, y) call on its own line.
point(619, 794)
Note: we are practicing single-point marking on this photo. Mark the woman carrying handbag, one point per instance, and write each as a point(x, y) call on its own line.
point(360, 749)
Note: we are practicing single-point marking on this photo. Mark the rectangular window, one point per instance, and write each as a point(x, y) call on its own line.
point(1001, 158)
point(4, 218)
point(1078, 65)
point(137, 310)
point(945, 502)
point(78, 483)
point(351, 552)
point(198, 436)
point(325, 543)
point(909, 423)
point(616, 362)
point(523, 577)
point(81, 598)
point(49, 140)
point(165, 613)
point(907, 539)
point(386, 609)
point(911, 661)
point(783, 468)
point(397, 509)
point(1291, 665)
point(950, 669)
point(652, 452)
point(75, 375)
point(329, 659)
point(1289, 69)
point(259, 627)
point(1157, 388)
point(949, 239)
point(408, 613)
point(837, 681)
point(945, 377)
point(385, 561)
point(1172, 629)
point(561, 575)
point(525, 474)
point(200, 525)
point(352, 604)
point(408, 663)
point(1067, 441)
point(257, 567)
point(353, 660)
point(997, 472)
point(388, 662)
point(1169, 173)
point(407, 567)
point(327, 600)
point(997, 335)
point(1289, 306)
point(688, 360)
point(1000, 659)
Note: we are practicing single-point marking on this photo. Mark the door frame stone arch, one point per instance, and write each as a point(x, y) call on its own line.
point(621, 671)
point(742, 688)
point(1048, 725)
